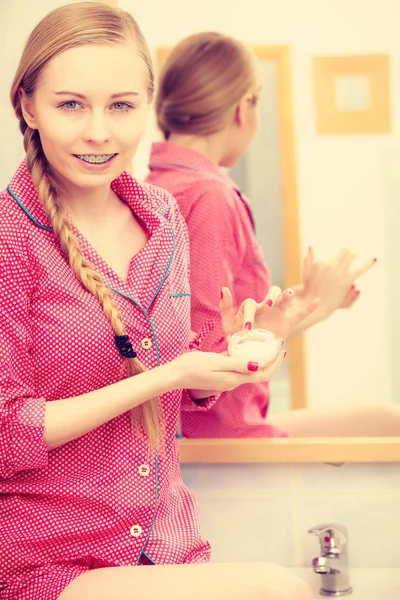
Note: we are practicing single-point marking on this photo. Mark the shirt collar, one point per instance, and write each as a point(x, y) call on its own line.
point(146, 205)
point(169, 155)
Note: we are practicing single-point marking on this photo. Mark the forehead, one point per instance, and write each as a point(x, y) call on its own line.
point(89, 69)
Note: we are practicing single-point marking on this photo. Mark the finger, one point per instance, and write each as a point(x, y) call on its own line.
point(341, 257)
point(274, 293)
point(348, 260)
point(285, 299)
point(226, 311)
point(351, 298)
point(348, 297)
point(264, 374)
point(356, 273)
point(308, 263)
point(249, 308)
point(303, 312)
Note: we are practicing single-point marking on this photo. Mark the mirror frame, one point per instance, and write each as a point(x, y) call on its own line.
point(334, 451)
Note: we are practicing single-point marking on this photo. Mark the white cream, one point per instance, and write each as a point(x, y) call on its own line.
point(257, 345)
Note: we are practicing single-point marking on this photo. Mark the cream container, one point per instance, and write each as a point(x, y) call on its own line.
point(256, 345)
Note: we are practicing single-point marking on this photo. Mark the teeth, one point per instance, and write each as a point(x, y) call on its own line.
point(95, 159)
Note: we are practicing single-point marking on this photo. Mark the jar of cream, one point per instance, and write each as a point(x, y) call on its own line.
point(258, 345)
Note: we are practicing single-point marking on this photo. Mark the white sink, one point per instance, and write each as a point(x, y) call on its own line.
point(367, 584)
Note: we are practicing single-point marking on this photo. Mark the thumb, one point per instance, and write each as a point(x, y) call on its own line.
point(226, 312)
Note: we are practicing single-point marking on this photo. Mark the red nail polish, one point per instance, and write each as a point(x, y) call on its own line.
point(248, 326)
point(222, 294)
point(252, 366)
point(358, 292)
point(283, 341)
point(375, 259)
point(270, 303)
point(353, 286)
point(284, 356)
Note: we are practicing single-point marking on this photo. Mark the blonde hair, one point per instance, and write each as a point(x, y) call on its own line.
point(203, 79)
point(64, 28)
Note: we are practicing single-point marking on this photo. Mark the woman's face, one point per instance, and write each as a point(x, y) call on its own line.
point(90, 108)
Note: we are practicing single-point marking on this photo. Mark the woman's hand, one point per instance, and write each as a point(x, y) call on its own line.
point(333, 282)
point(216, 373)
point(274, 313)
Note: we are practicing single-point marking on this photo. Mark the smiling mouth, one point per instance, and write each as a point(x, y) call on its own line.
point(95, 158)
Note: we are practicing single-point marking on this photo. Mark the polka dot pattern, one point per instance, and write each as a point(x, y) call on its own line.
point(223, 252)
point(73, 508)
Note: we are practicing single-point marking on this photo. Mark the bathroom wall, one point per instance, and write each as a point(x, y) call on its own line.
point(261, 512)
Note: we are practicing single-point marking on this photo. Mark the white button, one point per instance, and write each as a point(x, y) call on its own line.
point(144, 470)
point(146, 343)
point(136, 531)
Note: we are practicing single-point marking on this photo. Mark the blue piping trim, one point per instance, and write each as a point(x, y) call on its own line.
point(153, 519)
point(178, 295)
point(26, 211)
point(144, 311)
point(167, 269)
point(148, 557)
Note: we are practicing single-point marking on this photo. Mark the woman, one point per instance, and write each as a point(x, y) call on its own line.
point(207, 110)
point(94, 280)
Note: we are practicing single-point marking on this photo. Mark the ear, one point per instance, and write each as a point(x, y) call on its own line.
point(27, 109)
point(242, 109)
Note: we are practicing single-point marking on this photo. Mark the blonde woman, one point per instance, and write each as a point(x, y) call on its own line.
point(207, 110)
point(94, 290)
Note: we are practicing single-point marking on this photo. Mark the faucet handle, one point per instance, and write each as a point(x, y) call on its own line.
point(332, 538)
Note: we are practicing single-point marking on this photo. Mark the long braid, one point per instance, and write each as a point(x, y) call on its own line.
point(147, 415)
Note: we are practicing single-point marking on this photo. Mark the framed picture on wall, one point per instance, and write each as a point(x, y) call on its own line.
point(352, 94)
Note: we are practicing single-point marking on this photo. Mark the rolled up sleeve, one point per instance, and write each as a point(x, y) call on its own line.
point(22, 413)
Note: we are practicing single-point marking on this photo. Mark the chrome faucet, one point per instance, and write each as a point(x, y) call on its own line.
point(333, 563)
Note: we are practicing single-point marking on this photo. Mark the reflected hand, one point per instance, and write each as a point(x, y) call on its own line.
point(333, 282)
point(275, 313)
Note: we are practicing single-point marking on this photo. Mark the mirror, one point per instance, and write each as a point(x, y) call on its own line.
point(328, 190)
point(267, 175)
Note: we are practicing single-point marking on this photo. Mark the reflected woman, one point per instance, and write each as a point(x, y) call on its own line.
point(207, 110)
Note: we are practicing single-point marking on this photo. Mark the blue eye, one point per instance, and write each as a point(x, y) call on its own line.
point(70, 105)
point(122, 106)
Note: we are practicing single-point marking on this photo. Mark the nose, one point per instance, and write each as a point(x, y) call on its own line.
point(97, 128)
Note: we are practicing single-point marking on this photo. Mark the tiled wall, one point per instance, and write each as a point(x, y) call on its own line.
point(262, 512)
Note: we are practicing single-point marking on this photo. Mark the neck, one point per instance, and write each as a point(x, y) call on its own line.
point(92, 206)
point(213, 146)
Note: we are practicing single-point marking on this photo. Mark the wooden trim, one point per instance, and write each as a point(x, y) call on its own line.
point(291, 228)
point(284, 450)
point(292, 260)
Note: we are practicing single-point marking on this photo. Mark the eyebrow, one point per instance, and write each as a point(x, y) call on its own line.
point(119, 95)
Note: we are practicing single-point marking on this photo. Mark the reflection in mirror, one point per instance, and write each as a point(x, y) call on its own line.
point(260, 175)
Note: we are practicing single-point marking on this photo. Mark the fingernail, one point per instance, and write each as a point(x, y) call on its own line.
point(358, 292)
point(248, 326)
point(283, 341)
point(375, 259)
point(222, 294)
point(289, 291)
point(270, 303)
point(284, 356)
point(252, 366)
point(352, 287)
